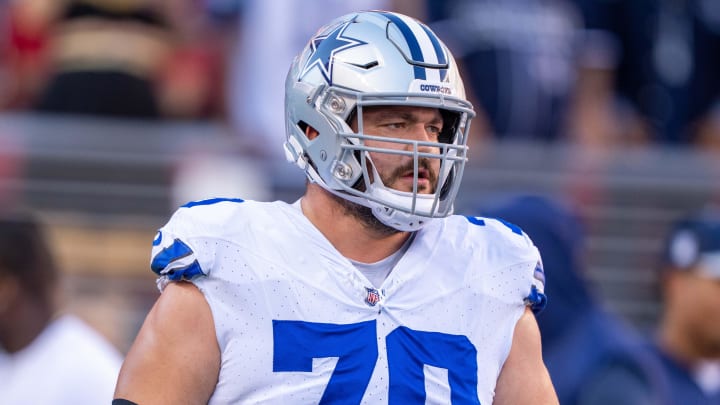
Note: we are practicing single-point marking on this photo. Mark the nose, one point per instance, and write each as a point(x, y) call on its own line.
point(421, 133)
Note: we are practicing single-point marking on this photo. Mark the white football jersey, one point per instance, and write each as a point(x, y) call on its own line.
point(297, 323)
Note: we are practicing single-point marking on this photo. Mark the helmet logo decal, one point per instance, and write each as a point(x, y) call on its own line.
point(324, 49)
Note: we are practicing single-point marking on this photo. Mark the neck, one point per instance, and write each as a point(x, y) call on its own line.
point(353, 234)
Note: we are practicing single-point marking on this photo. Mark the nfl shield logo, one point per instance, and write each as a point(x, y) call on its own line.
point(373, 296)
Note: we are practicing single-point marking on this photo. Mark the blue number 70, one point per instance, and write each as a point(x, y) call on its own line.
point(296, 343)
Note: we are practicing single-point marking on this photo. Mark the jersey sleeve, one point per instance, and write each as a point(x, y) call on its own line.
point(175, 252)
point(536, 298)
point(511, 250)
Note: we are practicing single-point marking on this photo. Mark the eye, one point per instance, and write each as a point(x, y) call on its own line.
point(434, 130)
point(395, 125)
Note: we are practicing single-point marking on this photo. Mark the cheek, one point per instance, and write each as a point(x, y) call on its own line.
point(384, 145)
point(435, 164)
point(383, 161)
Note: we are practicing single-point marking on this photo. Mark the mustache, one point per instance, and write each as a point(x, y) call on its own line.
point(423, 163)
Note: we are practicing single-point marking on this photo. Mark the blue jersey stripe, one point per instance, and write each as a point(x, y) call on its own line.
point(176, 251)
point(412, 42)
point(475, 220)
point(211, 201)
point(185, 273)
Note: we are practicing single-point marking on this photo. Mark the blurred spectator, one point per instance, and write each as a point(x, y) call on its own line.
point(191, 82)
point(12, 168)
point(593, 356)
point(5, 78)
point(648, 72)
point(45, 357)
point(518, 57)
point(271, 34)
point(705, 90)
point(24, 29)
point(688, 338)
point(105, 57)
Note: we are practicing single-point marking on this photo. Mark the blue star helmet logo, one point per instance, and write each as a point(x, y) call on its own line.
point(325, 48)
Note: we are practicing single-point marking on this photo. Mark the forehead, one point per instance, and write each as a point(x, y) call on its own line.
point(408, 112)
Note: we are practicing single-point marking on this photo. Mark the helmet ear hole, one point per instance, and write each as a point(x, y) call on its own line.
point(303, 127)
point(310, 132)
point(352, 118)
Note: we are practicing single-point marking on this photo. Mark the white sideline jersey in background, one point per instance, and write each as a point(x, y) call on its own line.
point(297, 323)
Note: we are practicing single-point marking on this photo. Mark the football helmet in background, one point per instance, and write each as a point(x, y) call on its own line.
point(376, 58)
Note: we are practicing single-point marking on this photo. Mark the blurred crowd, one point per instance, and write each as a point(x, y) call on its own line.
point(595, 73)
point(126, 58)
point(592, 72)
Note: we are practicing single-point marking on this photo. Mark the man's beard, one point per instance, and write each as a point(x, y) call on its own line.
point(364, 214)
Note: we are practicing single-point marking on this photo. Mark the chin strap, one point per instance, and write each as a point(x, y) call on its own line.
point(398, 220)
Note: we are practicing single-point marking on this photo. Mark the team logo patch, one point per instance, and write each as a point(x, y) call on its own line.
point(373, 296)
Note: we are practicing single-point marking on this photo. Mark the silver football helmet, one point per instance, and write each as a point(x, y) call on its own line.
point(376, 58)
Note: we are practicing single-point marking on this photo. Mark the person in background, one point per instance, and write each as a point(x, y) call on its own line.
point(105, 56)
point(648, 73)
point(592, 355)
point(46, 357)
point(518, 58)
point(688, 337)
point(367, 289)
point(24, 35)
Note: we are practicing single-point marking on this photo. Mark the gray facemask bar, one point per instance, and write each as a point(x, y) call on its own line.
point(347, 170)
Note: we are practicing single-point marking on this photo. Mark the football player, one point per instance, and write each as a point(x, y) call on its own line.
point(367, 289)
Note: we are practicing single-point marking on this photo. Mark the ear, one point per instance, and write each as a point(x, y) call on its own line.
point(311, 132)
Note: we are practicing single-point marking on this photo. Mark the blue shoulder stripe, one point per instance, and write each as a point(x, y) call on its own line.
point(211, 201)
point(475, 220)
point(185, 273)
point(176, 251)
point(536, 300)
